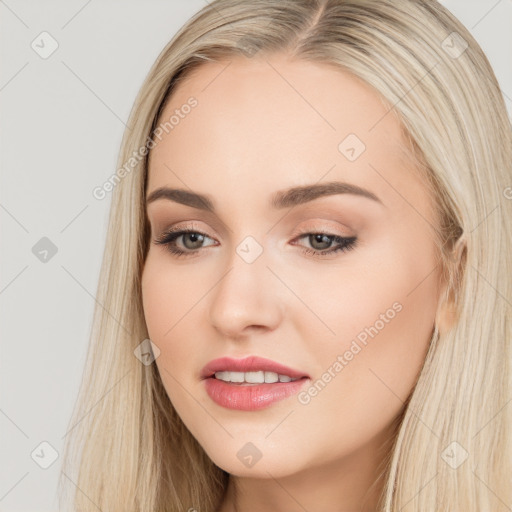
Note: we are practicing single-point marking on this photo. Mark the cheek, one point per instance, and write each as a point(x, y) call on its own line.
point(168, 296)
point(366, 378)
point(165, 300)
point(382, 312)
point(388, 286)
point(170, 304)
point(380, 303)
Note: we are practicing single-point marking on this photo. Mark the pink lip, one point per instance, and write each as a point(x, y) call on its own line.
point(249, 397)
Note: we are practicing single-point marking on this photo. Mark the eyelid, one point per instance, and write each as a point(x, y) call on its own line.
point(307, 229)
point(322, 226)
point(184, 226)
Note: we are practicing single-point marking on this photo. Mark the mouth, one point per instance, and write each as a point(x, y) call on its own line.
point(253, 378)
point(250, 370)
point(250, 384)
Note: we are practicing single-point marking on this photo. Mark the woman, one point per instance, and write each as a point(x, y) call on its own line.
point(306, 288)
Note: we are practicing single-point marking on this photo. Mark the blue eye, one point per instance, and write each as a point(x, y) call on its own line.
point(194, 239)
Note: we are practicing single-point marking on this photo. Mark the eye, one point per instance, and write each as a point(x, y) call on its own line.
point(322, 242)
point(192, 241)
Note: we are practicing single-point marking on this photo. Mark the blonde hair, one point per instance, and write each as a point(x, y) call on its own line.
point(131, 450)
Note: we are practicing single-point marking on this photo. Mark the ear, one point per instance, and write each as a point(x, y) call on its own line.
point(448, 311)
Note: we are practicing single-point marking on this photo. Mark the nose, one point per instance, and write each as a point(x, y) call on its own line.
point(248, 297)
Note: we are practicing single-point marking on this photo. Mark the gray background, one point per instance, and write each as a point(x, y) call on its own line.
point(62, 122)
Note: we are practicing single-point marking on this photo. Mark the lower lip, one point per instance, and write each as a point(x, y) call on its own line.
point(250, 397)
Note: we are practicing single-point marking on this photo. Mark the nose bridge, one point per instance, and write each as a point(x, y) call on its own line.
point(247, 294)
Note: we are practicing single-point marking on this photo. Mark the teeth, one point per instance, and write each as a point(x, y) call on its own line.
point(233, 376)
point(271, 377)
point(255, 377)
point(252, 377)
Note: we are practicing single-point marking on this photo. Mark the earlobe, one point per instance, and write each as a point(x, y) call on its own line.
point(449, 308)
point(447, 317)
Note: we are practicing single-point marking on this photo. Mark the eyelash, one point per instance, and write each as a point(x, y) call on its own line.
point(168, 239)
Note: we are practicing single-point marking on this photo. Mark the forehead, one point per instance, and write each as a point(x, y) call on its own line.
point(275, 122)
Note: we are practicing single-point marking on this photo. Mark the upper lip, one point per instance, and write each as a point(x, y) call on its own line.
point(249, 364)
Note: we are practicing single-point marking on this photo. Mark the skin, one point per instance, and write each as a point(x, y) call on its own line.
point(250, 135)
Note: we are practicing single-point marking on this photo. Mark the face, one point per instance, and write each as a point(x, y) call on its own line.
point(339, 287)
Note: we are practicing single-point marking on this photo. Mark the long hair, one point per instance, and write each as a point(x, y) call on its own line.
point(126, 443)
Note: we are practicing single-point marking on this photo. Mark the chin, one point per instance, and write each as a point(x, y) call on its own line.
point(258, 458)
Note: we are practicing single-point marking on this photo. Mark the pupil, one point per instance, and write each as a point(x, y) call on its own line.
point(196, 237)
point(313, 239)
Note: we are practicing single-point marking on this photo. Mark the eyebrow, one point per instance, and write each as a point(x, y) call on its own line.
point(281, 199)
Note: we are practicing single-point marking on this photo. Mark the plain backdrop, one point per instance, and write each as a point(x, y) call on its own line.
point(61, 126)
